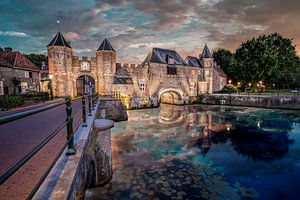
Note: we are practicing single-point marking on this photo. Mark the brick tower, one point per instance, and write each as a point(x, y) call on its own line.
point(106, 65)
point(60, 55)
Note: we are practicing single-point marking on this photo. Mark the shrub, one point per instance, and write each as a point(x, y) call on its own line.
point(11, 101)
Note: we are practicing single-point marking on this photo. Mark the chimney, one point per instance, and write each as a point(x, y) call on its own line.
point(8, 49)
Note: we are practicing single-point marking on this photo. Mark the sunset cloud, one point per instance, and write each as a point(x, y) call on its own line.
point(135, 26)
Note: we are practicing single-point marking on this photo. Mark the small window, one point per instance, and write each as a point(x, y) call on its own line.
point(171, 70)
point(30, 74)
point(26, 74)
point(142, 86)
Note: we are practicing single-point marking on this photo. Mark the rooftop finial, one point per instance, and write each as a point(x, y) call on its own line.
point(58, 24)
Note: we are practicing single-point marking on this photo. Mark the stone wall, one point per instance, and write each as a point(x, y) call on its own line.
point(264, 101)
point(114, 109)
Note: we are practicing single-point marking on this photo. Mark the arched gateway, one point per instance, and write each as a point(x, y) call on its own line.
point(171, 96)
point(85, 84)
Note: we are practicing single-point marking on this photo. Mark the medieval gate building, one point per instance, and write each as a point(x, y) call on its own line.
point(163, 76)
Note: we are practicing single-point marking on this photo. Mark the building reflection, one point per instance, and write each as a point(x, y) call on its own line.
point(195, 127)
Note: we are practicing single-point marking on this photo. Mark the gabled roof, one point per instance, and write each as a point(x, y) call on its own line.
point(59, 40)
point(158, 55)
point(4, 63)
point(206, 53)
point(193, 61)
point(105, 45)
point(17, 60)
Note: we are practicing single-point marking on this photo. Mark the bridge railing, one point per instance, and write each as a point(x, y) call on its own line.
point(32, 141)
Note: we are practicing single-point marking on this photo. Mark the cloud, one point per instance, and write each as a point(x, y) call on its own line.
point(134, 26)
point(13, 34)
point(72, 36)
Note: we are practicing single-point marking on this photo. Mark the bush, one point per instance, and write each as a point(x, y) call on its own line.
point(12, 101)
point(229, 89)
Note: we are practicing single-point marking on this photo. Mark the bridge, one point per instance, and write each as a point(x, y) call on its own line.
point(49, 150)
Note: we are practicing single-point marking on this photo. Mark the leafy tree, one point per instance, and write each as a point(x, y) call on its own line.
point(224, 57)
point(1, 49)
point(270, 58)
point(37, 59)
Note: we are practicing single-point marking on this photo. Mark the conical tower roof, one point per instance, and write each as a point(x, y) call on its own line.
point(59, 40)
point(105, 45)
point(206, 53)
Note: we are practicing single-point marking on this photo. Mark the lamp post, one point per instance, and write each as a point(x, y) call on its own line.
point(238, 86)
point(249, 85)
point(50, 86)
point(229, 82)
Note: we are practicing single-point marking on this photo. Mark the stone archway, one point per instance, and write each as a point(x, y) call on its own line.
point(171, 96)
point(85, 84)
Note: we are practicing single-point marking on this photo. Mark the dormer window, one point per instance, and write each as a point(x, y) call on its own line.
point(170, 60)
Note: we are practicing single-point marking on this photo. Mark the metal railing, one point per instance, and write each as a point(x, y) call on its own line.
point(68, 125)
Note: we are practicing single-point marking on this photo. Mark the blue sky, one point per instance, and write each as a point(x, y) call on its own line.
point(135, 26)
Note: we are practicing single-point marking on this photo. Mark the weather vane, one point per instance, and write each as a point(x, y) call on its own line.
point(58, 24)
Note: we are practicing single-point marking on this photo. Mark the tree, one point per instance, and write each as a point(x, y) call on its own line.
point(37, 59)
point(268, 58)
point(224, 57)
point(1, 49)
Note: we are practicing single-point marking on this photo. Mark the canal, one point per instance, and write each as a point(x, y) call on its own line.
point(205, 152)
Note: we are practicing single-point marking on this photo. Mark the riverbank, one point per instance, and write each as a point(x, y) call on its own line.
point(259, 101)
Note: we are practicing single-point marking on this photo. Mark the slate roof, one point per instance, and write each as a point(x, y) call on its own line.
point(122, 80)
point(59, 40)
point(17, 60)
point(158, 55)
point(105, 45)
point(206, 53)
point(193, 61)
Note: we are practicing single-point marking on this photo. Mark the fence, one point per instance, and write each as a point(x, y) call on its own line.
point(32, 141)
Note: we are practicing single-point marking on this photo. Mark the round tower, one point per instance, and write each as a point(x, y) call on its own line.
point(60, 56)
point(106, 67)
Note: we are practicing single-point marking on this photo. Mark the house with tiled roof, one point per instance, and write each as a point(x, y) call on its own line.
point(17, 73)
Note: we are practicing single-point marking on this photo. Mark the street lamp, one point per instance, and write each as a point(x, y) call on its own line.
point(229, 81)
point(50, 86)
point(238, 86)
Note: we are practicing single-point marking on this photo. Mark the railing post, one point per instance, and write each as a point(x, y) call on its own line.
point(69, 120)
point(94, 102)
point(83, 112)
point(90, 111)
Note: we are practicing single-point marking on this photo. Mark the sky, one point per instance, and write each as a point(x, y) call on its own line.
point(134, 27)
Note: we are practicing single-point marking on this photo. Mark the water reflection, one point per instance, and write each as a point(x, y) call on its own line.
point(185, 152)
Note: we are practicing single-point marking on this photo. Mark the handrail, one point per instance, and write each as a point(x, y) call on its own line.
point(18, 115)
